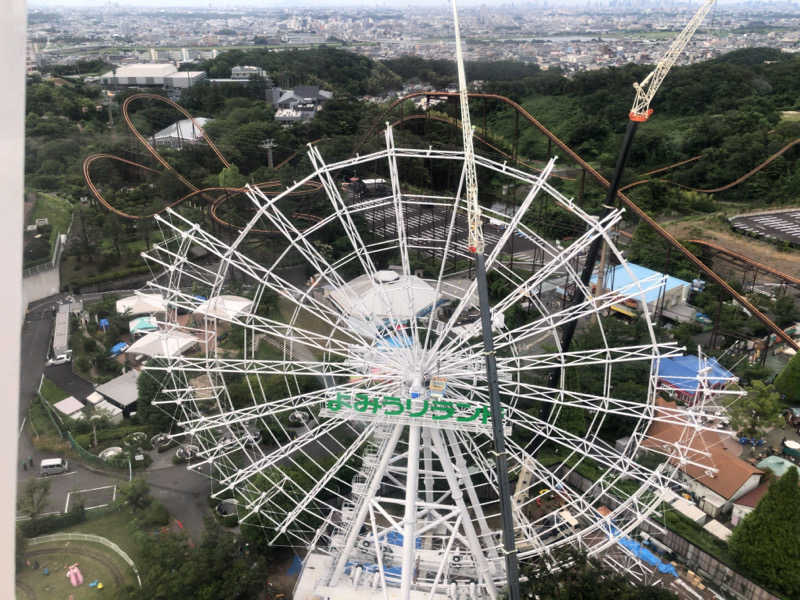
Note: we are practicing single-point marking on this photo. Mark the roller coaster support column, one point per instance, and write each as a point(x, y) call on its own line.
point(501, 463)
point(594, 249)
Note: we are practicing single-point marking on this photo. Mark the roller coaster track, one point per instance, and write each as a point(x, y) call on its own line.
point(721, 188)
point(457, 123)
point(620, 195)
point(214, 203)
point(757, 265)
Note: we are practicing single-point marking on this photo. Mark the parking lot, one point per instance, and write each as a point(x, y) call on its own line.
point(98, 497)
point(776, 226)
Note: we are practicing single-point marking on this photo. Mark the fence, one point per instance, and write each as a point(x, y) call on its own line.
point(87, 537)
point(703, 563)
point(85, 455)
point(54, 418)
point(55, 258)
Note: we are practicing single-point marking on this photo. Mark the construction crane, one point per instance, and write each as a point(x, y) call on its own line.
point(639, 113)
point(477, 247)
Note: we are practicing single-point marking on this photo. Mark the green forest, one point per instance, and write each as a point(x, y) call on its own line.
point(727, 111)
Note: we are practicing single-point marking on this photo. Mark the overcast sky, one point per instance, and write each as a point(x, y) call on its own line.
point(348, 3)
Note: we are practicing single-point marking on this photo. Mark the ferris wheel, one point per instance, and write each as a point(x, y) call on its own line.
point(339, 393)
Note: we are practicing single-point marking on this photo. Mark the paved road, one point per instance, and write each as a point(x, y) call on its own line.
point(182, 492)
point(36, 333)
point(67, 380)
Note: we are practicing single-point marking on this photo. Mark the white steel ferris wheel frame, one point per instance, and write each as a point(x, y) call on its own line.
point(426, 481)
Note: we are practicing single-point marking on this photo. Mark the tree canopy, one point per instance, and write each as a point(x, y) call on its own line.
point(587, 579)
point(757, 411)
point(765, 544)
point(788, 381)
point(216, 569)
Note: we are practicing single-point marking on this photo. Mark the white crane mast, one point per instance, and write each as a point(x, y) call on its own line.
point(473, 208)
point(646, 90)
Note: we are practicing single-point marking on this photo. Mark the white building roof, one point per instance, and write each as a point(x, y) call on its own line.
point(114, 412)
point(143, 70)
point(112, 409)
point(389, 295)
point(163, 343)
point(94, 398)
point(717, 529)
point(122, 390)
point(61, 333)
point(141, 304)
point(225, 307)
point(186, 130)
point(69, 405)
point(687, 509)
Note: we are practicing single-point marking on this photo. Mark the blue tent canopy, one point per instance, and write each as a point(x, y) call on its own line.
point(681, 372)
point(118, 348)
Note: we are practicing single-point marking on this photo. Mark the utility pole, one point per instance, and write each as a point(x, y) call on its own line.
point(268, 145)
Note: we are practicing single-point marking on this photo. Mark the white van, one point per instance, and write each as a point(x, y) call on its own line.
point(53, 466)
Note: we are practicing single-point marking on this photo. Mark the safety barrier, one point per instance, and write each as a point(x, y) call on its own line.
point(87, 537)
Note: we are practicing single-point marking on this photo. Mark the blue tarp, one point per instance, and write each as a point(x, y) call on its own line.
point(295, 567)
point(104, 323)
point(118, 348)
point(396, 539)
point(681, 372)
point(646, 556)
point(397, 339)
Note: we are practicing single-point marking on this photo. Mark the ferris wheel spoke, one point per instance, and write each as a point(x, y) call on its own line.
point(591, 306)
point(558, 264)
point(593, 448)
point(309, 437)
point(586, 358)
point(253, 366)
point(300, 242)
point(402, 239)
point(274, 408)
point(610, 406)
point(509, 230)
point(356, 241)
point(257, 273)
point(325, 479)
point(471, 366)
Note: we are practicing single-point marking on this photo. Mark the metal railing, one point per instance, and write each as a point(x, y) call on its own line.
point(55, 258)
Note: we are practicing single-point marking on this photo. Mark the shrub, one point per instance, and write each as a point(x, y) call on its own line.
point(154, 515)
point(51, 523)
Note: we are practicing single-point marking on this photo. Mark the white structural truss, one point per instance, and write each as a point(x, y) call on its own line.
point(366, 441)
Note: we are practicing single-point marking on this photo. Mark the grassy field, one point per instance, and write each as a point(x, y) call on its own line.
point(95, 562)
point(114, 526)
point(57, 210)
point(51, 392)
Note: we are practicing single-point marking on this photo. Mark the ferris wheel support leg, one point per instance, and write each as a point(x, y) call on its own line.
point(477, 508)
point(509, 546)
point(410, 515)
point(361, 516)
point(428, 463)
point(484, 568)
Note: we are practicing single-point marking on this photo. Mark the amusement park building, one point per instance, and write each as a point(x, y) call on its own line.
point(673, 294)
point(186, 131)
point(713, 473)
point(146, 75)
